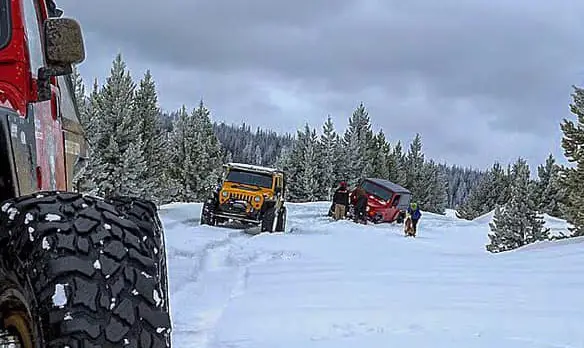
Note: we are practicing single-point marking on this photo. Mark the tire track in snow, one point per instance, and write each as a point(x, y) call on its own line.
point(220, 275)
point(199, 257)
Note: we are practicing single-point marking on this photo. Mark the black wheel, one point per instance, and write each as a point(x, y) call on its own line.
point(74, 272)
point(377, 219)
point(269, 220)
point(400, 218)
point(144, 214)
point(281, 224)
point(207, 213)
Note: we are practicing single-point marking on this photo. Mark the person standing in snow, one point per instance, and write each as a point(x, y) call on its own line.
point(341, 201)
point(360, 207)
point(414, 211)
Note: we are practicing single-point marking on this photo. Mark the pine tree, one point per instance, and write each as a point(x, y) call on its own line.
point(207, 152)
point(341, 164)
point(414, 169)
point(517, 223)
point(302, 167)
point(89, 118)
point(228, 157)
point(182, 164)
point(492, 190)
point(328, 151)
point(433, 190)
point(380, 152)
point(117, 156)
point(309, 182)
point(572, 179)
point(146, 114)
point(357, 140)
point(79, 92)
point(84, 180)
point(283, 160)
point(397, 165)
point(548, 192)
point(258, 156)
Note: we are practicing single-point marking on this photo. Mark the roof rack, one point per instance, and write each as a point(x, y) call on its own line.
point(252, 167)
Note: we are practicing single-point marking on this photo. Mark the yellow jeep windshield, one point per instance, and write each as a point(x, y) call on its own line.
point(249, 178)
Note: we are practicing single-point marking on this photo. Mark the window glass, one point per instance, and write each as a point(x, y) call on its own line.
point(248, 178)
point(4, 23)
point(377, 190)
point(33, 34)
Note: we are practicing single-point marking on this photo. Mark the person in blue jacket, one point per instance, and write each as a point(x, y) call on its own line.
point(414, 211)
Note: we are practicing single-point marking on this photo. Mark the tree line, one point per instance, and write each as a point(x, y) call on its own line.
point(130, 151)
point(139, 150)
point(316, 164)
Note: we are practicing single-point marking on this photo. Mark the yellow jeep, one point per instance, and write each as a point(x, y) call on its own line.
point(248, 194)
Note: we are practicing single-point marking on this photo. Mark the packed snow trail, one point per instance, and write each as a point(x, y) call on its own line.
point(338, 284)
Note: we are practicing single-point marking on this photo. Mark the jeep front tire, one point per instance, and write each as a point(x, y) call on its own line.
point(208, 212)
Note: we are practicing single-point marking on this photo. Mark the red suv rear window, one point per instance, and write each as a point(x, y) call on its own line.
point(4, 23)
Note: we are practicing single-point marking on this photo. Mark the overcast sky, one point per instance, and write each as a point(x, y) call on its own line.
point(481, 80)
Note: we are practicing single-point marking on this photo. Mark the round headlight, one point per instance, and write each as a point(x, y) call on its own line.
point(225, 193)
point(257, 199)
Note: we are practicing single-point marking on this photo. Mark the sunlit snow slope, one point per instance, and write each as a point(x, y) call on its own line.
point(337, 284)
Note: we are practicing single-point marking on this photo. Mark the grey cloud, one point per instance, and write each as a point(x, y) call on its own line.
point(510, 63)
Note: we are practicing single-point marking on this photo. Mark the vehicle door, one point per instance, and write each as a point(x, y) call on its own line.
point(50, 166)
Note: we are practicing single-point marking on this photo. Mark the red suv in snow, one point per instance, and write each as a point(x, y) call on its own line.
point(386, 201)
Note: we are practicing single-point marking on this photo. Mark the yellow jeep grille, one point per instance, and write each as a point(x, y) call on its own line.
point(241, 196)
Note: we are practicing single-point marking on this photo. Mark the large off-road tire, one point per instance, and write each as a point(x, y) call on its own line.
point(144, 214)
point(282, 216)
point(208, 212)
point(75, 273)
point(269, 220)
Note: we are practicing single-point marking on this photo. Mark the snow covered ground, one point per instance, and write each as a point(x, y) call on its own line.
point(337, 284)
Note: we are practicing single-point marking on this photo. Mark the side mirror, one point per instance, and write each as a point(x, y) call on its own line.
point(63, 47)
point(63, 42)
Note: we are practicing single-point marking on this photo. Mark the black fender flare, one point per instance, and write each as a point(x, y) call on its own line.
point(18, 151)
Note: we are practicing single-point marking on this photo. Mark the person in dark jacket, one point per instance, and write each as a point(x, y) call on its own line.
point(341, 201)
point(360, 205)
point(416, 214)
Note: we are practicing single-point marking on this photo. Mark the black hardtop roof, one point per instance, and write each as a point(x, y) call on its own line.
point(389, 185)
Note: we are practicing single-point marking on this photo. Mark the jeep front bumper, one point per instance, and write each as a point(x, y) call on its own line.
point(238, 210)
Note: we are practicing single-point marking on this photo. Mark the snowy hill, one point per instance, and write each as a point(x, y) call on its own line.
point(337, 284)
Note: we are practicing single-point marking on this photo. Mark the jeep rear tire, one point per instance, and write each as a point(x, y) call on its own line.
point(269, 220)
point(75, 273)
point(281, 225)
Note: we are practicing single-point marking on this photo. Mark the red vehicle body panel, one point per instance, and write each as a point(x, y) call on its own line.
point(379, 209)
point(18, 92)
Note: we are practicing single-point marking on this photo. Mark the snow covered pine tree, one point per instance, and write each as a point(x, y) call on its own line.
point(517, 223)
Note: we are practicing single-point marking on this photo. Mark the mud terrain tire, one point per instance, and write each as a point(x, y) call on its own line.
point(268, 220)
point(207, 216)
point(86, 277)
point(281, 224)
point(144, 214)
